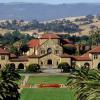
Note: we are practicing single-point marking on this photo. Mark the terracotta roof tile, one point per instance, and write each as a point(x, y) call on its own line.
point(33, 43)
point(68, 41)
point(34, 56)
point(80, 58)
point(69, 45)
point(3, 51)
point(12, 55)
point(95, 50)
point(50, 36)
point(85, 57)
point(20, 59)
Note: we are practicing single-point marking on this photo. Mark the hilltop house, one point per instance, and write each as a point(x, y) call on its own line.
point(47, 51)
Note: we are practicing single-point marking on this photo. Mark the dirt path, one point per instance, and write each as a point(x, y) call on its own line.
point(24, 82)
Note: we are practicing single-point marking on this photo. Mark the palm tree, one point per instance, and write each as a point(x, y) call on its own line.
point(86, 83)
point(8, 86)
point(9, 90)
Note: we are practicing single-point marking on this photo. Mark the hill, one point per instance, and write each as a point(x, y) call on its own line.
point(41, 12)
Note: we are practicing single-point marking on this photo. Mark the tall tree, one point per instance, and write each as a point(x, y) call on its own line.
point(86, 83)
point(24, 48)
point(8, 86)
point(95, 36)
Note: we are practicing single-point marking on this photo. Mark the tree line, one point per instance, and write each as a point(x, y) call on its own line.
point(56, 26)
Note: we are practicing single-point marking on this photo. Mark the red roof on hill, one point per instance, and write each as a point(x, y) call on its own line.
point(3, 51)
point(33, 43)
point(95, 50)
point(50, 36)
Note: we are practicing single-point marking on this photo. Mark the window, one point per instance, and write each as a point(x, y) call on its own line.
point(21, 66)
point(95, 56)
point(56, 51)
point(0, 66)
point(42, 51)
point(57, 63)
point(41, 63)
point(99, 66)
point(49, 50)
point(2, 57)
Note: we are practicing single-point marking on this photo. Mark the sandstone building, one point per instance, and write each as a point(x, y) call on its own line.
point(48, 52)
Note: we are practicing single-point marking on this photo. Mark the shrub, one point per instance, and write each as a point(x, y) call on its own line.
point(33, 68)
point(85, 68)
point(65, 67)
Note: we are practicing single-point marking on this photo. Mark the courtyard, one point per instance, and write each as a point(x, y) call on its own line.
point(47, 93)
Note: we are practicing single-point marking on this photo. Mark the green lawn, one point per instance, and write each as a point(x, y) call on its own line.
point(47, 79)
point(47, 94)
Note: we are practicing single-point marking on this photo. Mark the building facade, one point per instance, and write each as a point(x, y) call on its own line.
point(48, 52)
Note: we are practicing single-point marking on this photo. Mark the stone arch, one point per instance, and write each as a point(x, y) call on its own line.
point(21, 66)
point(87, 64)
point(98, 66)
point(12, 65)
point(49, 62)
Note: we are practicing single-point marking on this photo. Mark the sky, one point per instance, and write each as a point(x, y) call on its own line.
point(52, 1)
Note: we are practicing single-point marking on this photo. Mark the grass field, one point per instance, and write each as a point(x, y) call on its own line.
point(47, 79)
point(47, 94)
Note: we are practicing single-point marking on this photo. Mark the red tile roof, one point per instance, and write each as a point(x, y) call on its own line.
point(68, 41)
point(12, 55)
point(20, 59)
point(3, 51)
point(33, 43)
point(85, 57)
point(34, 56)
point(81, 58)
point(69, 45)
point(50, 36)
point(95, 50)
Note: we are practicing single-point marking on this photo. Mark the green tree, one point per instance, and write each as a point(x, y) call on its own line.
point(24, 48)
point(94, 37)
point(65, 67)
point(33, 68)
point(86, 83)
point(69, 49)
point(16, 35)
point(14, 50)
point(8, 86)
